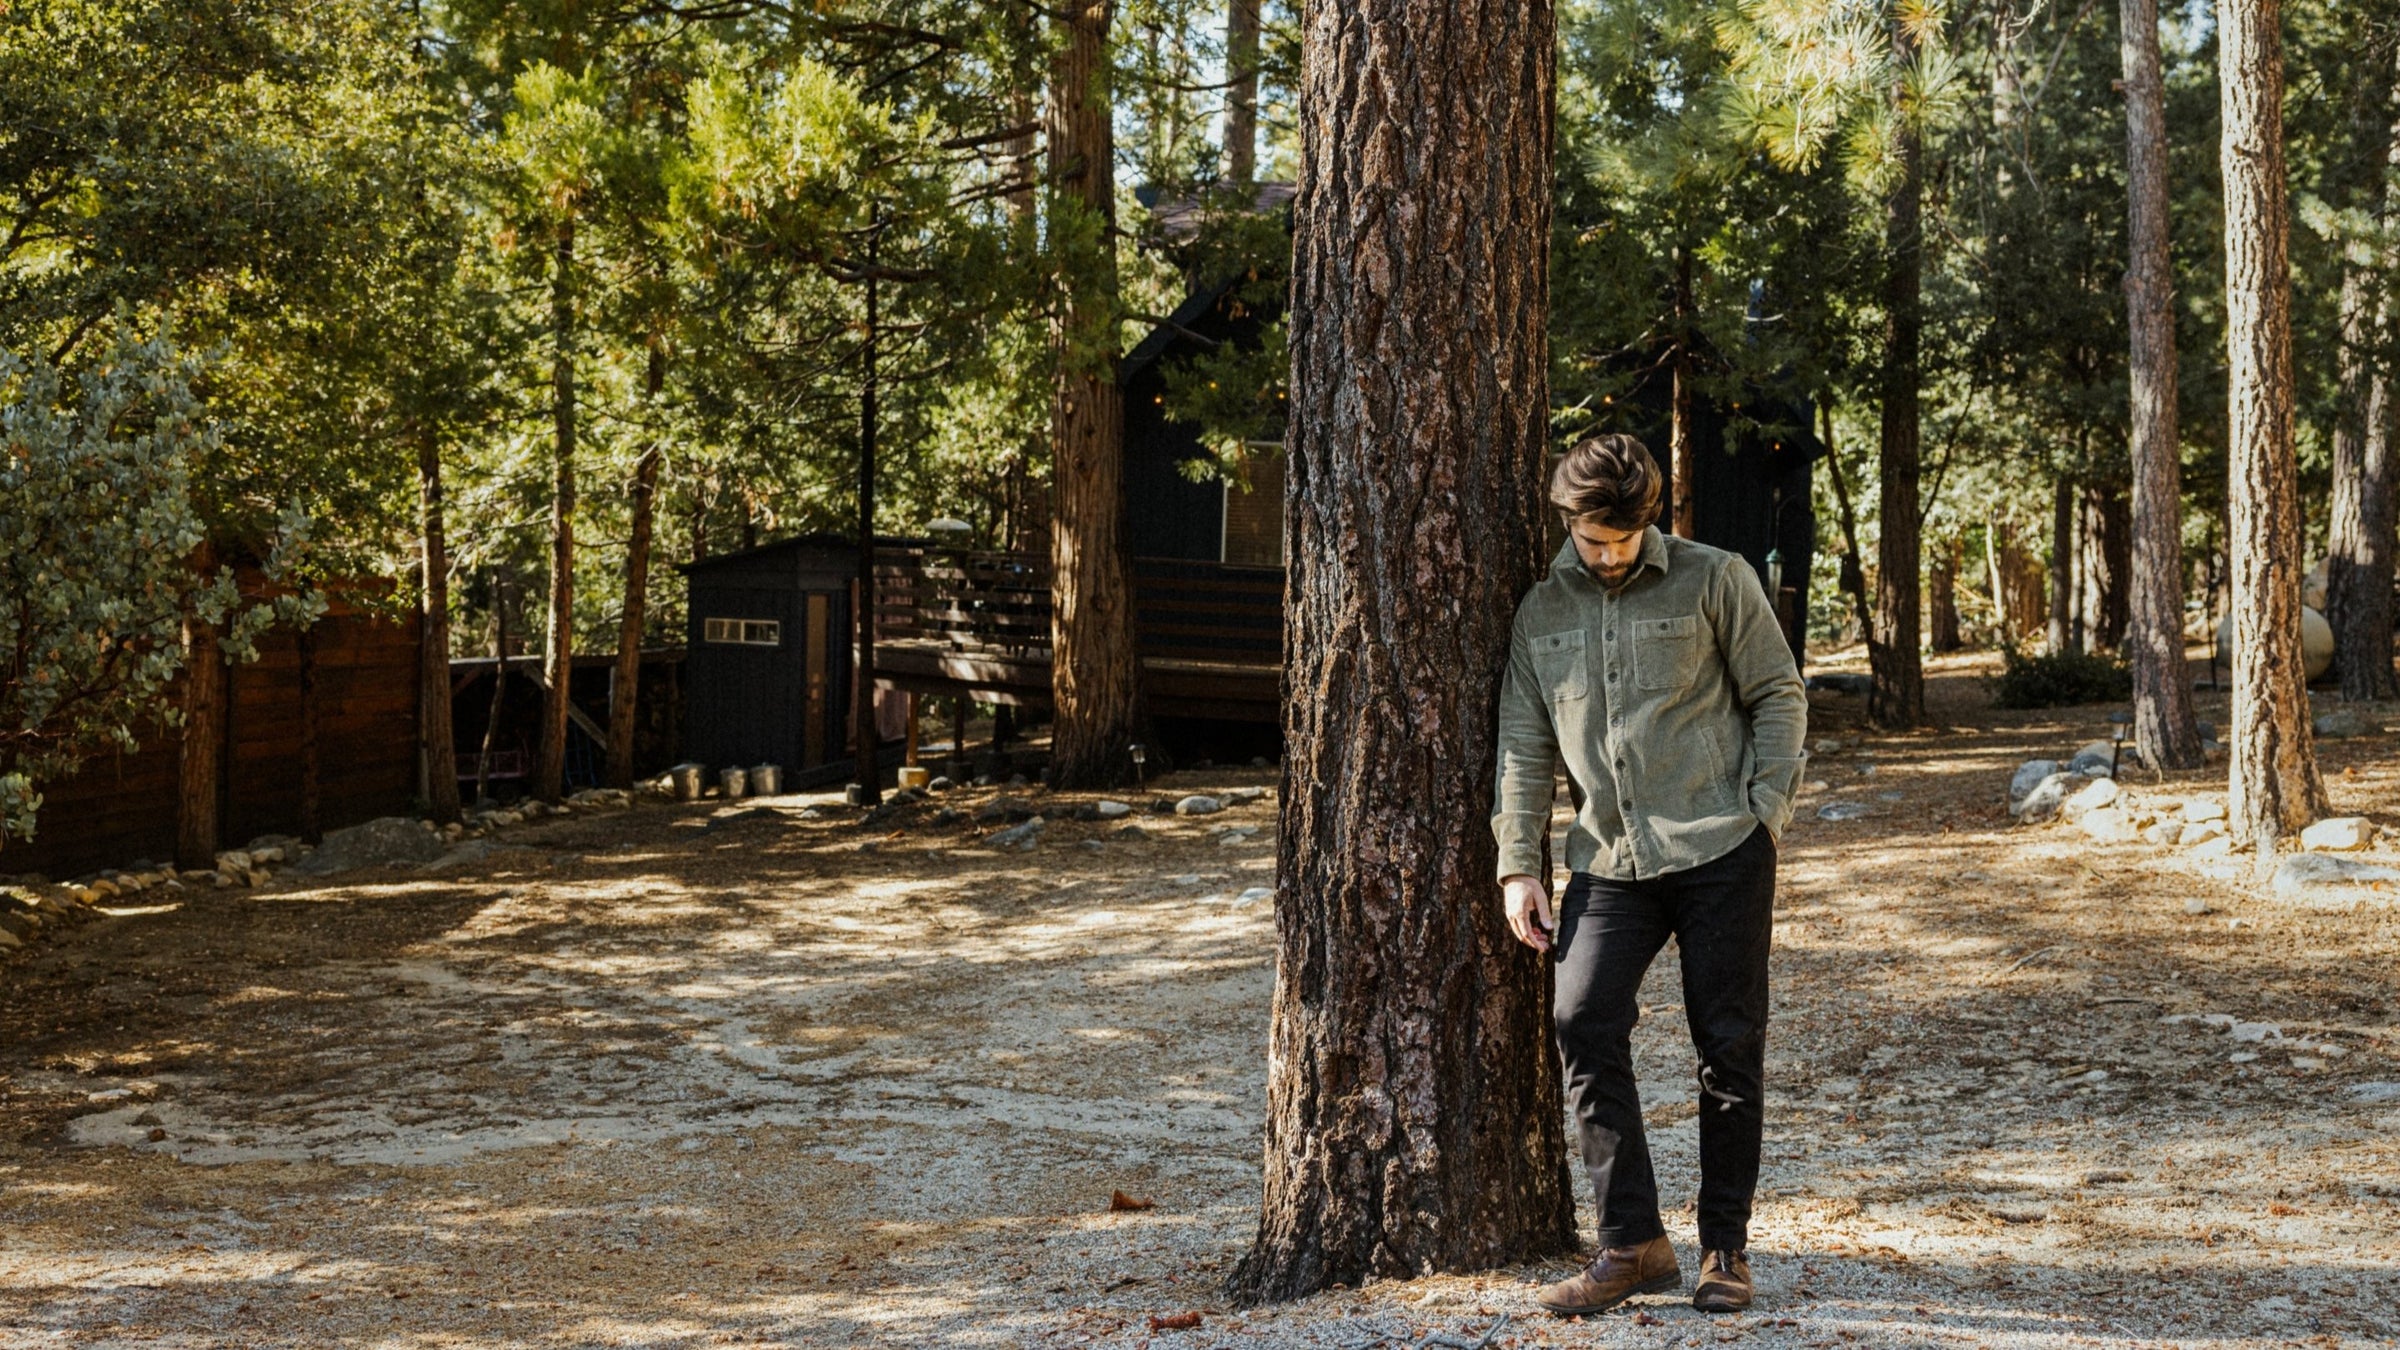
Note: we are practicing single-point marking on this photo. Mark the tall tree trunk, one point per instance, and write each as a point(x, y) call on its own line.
point(2275, 788)
point(433, 703)
point(1853, 570)
point(1679, 420)
point(2062, 565)
point(491, 721)
point(1897, 697)
point(866, 729)
point(1241, 94)
point(2108, 556)
point(1941, 597)
point(558, 646)
point(1414, 1117)
point(625, 691)
point(202, 754)
point(1095, 672)
point(2359, 543)
point(2165, 732)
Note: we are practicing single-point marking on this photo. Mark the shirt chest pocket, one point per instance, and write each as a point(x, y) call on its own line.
point(1558, 659)
point(1666, 652)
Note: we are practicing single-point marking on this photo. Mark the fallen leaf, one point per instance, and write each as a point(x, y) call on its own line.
point(1643, 1319)
point(1119, 1200)
point(1182, 1321)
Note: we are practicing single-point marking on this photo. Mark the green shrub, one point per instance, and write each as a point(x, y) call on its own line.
point(2056, 679)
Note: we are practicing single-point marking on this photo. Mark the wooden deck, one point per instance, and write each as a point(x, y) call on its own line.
point(952, 622)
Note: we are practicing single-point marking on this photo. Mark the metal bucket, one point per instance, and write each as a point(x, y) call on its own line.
point(687, 781)
point(766, 780)
point(733, 782)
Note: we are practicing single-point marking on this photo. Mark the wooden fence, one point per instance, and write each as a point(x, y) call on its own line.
point(363, 699)
point(999, 603)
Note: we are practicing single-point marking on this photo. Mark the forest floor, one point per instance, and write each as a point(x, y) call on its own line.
point(706, 1075)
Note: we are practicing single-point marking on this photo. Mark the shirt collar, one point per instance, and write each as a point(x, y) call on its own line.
point(1654, 555)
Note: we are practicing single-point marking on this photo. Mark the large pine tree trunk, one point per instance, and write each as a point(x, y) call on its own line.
point(203, 745)
point(2275, 788)
point(558, 646)
point(624, 692)
point(434, 734)
point(1241, 94)
point(2062, 565)
point(1941, 597)
point(2108, 557)
point(1897, 697)
point(1680, 445)
point(2164, 730)
point(1095, 675)
point(2359, 542)
point(1414, 1120)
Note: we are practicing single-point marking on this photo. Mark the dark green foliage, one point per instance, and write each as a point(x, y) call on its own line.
point(2059, 679)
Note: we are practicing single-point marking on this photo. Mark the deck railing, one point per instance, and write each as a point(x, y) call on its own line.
point(999, 603)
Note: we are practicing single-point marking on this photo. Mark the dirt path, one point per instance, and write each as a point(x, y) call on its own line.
point(682, 1077)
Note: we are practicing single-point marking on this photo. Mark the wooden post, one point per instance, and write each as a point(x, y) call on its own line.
point(909, 753)
point(312, 824)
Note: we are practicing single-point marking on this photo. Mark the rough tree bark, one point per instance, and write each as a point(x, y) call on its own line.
point(1897, 696)
point(1679, 408)
point(2165, 732)
point(1241, 93)
point(558, 645)
point(203, 740)
point(2359, 543)
point(1095, 674)
point(1413, 1099)
point(1853, 571)
point(2275, 787)
point(624, 692)
point(433, 675)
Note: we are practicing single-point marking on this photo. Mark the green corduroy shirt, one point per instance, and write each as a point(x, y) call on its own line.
point(1674, 702)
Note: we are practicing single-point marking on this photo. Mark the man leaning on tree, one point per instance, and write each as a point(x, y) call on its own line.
point(1654, 667)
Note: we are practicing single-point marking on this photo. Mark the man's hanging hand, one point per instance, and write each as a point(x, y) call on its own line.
point(1529, 914)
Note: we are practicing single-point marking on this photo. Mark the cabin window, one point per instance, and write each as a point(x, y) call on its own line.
point(747, 632)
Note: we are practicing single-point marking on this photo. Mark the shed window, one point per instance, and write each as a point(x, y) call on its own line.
point(748, 632)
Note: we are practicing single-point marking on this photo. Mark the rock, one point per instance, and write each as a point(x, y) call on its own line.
point(2108, 825)
point(814, 813)
point(2211, 752)
point(948, 815)
point(1841, 811)
point(998, 809)
point(1132, 832)
point(2343, 723)
point(1017, 836)
point(1186, 879)
point(2197, 906)
point(1198, 805)
point(1255, 894)
point(2219, 847)
point(1826, 745)
point(1842, 682)
point(1891, 796)
point(1016, 780)
point(1091, 846)
point(1244, 796)
point(2092, 796)
point(2043, 802)
point(2029, 775)
point(2202, 808)
point(391, 839)
point(940, 783)
point(2097, 759)
point(1110, 810)
point(465, 855)
point(2316, 641)
point(2375, 1092)
point(2341, 834)
point(233, 860)
point(1816, 785)
point(2319, 880)
point(2252, 1033)
point(2164, 833)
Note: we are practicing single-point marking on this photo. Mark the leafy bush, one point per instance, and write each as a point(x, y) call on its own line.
point(2056, 679)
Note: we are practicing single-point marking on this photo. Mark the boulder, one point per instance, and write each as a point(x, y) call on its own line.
point(2201, 808)
point(2092, 796)
point(1843, 683)
point(1013, 809)
point(389, 839)
point(2319, 880)
point(2029, 775)
point(2342, 724)
point(2220, 846)
point(1110, 810)
point(2108, 825)
point(1017, 836)
point(2342, 834)
point(1198, 805)
point(2200, 832)
point(2164, 833)
point(2097, 759)
point(2043, 802)
point(1243, 796)
point(2316, 641)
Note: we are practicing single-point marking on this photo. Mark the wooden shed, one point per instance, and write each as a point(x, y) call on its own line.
point(767, 664)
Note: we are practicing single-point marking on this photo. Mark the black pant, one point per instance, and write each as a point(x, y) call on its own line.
point(1722, 916)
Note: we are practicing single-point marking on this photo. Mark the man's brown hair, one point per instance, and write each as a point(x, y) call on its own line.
point(1610, 480)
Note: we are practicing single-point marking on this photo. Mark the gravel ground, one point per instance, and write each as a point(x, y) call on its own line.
point(692, 1076)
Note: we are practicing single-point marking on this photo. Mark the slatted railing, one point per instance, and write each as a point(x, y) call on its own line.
point(999, 603)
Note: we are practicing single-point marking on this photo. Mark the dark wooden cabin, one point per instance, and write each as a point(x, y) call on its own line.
point(767, 657)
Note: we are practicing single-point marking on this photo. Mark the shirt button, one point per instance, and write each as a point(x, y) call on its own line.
point(1627, 805)
point(1609, 636)
point(1612, 675)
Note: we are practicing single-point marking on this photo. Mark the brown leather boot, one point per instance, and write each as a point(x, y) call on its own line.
point(1724, 1282)
point(1619, 1274)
